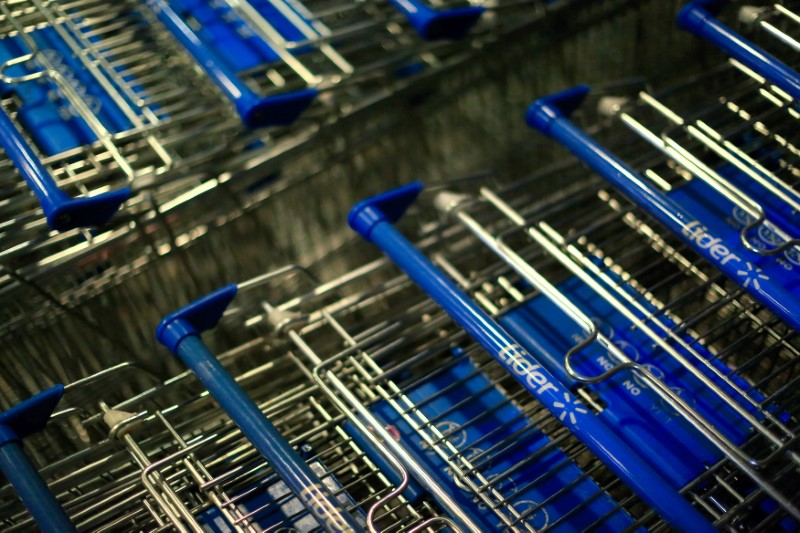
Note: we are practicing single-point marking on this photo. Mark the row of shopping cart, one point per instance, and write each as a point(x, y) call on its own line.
point(135, 104)
point(100, 100)
point(570, 351)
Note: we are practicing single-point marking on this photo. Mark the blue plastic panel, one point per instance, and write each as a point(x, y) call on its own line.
point(476, 396)
point(220, 28)
point(44, 112)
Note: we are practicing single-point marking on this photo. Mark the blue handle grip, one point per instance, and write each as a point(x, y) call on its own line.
point(698, 17)
point(438, 24)
point(762, 277)
point(373, 219)
point(180, 332)
point(255, 111)
point(62, 211)
point(32, 490)
point(17, 423)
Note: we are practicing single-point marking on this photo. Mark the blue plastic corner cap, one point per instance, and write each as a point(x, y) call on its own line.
point(29, 416)
point(276, 110)
point(451, 24)
point(385, 207)
point(544, 111)
point(693, 15)
point(201, 315)
point(87, 212)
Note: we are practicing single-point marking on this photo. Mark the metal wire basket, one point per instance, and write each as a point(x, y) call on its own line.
point(168, 458)
point(650, 332)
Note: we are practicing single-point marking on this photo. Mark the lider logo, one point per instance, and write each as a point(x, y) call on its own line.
point(518, 360)
point(751, 275)
point(569, 408)
point(698, 234)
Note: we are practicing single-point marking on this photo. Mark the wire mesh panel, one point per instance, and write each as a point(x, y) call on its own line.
point(777, 20)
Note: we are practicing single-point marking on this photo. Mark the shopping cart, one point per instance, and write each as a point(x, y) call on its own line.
point(690, 205)
point(402, 379)
point(168, 458)
point(96, 103)
point(616, 307)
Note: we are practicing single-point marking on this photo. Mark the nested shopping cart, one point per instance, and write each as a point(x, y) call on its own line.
point(471, 438)
point(96, 103)
point(684, 364)
point(103, 101)
point(273, 58)
point(59, 289)
point(168, 457)
point(671, 300)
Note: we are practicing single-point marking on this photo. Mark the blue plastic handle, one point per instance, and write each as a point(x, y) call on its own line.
point(764, 278)
point(180, 332)
point(438, 24)
point(373, 219)
point(698, 17)
point(17, 423)
point(62, 212)
point(255, 111)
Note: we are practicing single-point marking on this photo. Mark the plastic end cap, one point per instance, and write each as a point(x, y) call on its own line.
point(201, 315)
point(692, 17)
point(385, 207)
point(88, 212)
point(29, 416)
point(450, 25)
point(278, 110)
point(544, 111)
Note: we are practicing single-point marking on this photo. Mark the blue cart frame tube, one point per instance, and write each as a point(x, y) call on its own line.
point(264, 436)
point(16, 423)
point(32, 489)
point(696, 19)
point(372, 224)
point(234, 89)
